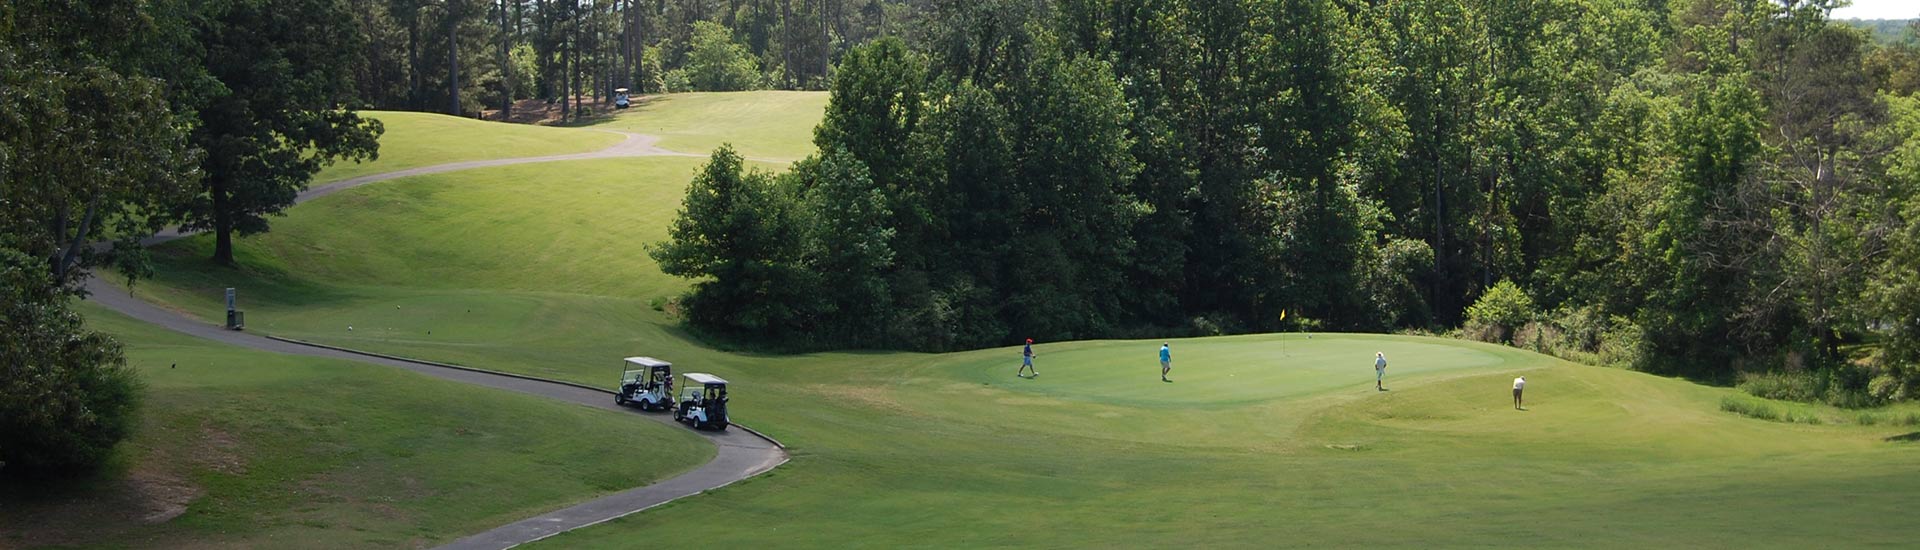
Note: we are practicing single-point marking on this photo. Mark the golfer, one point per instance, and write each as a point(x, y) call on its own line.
point(1166, 361)
point(1027, 360)
point(1519, 384)
point(1379, 370)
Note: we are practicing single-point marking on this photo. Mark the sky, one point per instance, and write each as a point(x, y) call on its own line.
point(1879, 9)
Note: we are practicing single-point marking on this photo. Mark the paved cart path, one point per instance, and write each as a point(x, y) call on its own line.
point(741, 454)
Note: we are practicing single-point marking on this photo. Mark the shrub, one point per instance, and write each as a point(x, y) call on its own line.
point(66, 395)
point(1501, 310)
point(1804, 387)
point(1749, 408)
point(1624, 345)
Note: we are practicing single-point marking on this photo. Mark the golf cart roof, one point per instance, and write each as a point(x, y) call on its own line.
point(704, 378)
point(619, 90)
point(647, 362)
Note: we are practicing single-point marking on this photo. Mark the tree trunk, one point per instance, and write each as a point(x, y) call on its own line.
point(453, 60)
point(506, 64)
point(222, 224)
point(413, 60)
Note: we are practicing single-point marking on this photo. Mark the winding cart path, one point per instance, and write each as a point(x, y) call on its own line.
point(741, 454)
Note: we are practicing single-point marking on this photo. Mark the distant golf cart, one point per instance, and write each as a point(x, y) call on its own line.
point(647, 383)
point(620, 100)
point(705, 404)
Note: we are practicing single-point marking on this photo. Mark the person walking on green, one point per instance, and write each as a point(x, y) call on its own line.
point(1166, 361)
point(1026, 361)
point(1379, 370)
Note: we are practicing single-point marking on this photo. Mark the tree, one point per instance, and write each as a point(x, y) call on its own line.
point(1826, 216)
point(73, 162)
point(718, 64)
point(283, 111)
point(737, 234)
point(850, 246)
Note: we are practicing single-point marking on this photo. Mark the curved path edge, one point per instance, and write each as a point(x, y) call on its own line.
point(738, 456)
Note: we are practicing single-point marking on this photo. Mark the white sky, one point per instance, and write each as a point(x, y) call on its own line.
point(1879, 9)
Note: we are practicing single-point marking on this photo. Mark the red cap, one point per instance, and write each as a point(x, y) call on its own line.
point(1029, 340)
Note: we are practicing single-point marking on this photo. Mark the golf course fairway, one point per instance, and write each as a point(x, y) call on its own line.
point(1259, 440)
point(242, 448)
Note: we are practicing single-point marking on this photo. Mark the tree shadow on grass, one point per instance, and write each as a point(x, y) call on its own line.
point(1905, 438)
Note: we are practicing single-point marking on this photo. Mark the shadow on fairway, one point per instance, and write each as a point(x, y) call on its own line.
point(1905, 438)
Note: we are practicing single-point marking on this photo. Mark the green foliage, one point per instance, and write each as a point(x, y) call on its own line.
point(739, 236)
point(66, 395)
point(91, 148)
point(715, 63)
point(1802, 387)
point(278, 114)
point(1502, 309)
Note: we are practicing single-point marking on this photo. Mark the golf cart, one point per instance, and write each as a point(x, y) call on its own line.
point(620, 100)
point(705, 404)
point(647, 383)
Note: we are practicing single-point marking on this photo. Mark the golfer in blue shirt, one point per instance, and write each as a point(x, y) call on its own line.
point(1027, 361)
point(1166, 361)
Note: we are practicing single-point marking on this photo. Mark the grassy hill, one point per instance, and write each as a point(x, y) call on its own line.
point(1261, 440)
point(243, 448)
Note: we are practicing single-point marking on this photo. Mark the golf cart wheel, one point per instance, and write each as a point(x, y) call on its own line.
point(620, 399)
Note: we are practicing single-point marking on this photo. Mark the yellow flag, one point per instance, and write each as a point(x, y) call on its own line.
point(1283, 315)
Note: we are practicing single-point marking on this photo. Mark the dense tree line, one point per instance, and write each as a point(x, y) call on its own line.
point(1694, 186)
point(464, 56)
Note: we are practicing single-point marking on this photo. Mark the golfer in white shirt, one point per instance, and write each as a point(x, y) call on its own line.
point(1518, 384)
point(1379, 370)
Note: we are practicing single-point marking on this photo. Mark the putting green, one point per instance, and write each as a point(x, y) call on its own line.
point(1270, 440)
point(1231, 371)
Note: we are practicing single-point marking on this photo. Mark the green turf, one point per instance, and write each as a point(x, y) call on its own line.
point(775, 126)
point(284, 451)
point(422, 139)
point(1260, 440)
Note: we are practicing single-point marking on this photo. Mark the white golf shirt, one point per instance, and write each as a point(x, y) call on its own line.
point(1520, 383)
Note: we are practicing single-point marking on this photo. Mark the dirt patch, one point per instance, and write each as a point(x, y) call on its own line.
point(147, 495)
point(219, 451)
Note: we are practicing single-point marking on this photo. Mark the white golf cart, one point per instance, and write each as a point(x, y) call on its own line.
point(620, 98)
point(647, 383)
point(705, 405)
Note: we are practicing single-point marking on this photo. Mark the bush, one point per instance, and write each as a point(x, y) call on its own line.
point(1749, 408)
point(1803, 387)
point(1625, 345)
point(1888, 387)
point(1500, 311)
point(66, 395)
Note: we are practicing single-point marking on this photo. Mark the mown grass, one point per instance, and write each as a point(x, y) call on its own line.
point(273, 450)
point(421, 139)
point(1260, 441)
point(769, 125)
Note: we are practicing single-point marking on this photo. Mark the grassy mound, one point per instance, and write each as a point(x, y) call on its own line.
point(1260, 441)
point(413, 140)
point(245, 448)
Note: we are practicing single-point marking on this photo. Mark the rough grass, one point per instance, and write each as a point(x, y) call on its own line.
point(420, 139)
point(245, 448)
point(775, 126)
point(1261, 441)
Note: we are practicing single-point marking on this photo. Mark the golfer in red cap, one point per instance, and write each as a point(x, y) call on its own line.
point(1027, 360)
